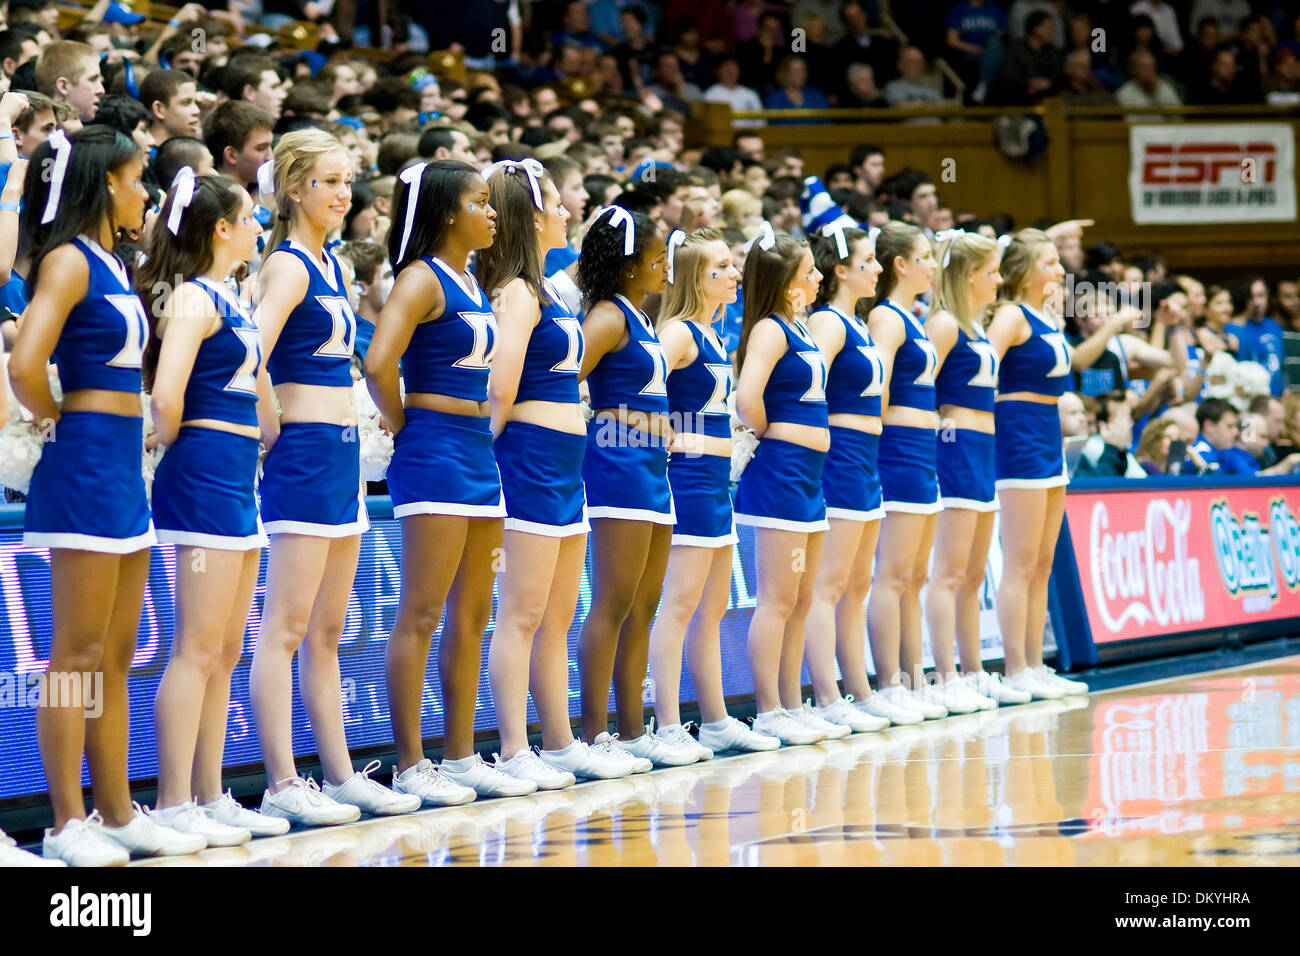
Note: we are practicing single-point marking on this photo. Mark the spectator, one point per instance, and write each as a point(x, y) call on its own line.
point(1259, 338)
point(1193, 64)
point(1074, 419)
point(1103, 55)
point(68, 72)
point(238, 135)
point(255, 80)
point(827, 10)
point(1261, 432)
point(1115, 428)
point(1282, 87)
point(1227, 13)
point(1031, 68)
point(758, 57)
point(1021, 10)
point(34, 125)
point(975, 29)
point(635, 50)
point(792, 91)
point(1153, 447)
point(911, 88)
point(1082, 87)
point(816, 54)
point(861, 90)
point(1145, 86)
point(695, 62)
point(18, 44)
point(1287, 440)
point(1224, 86)
point(445, 142)
point(1164, 19)
point(672, 88)
point(1215, 447)
point(171, 97)
point(867, 162)
point(728, 90)
point(1286, 304)
point(858, 45)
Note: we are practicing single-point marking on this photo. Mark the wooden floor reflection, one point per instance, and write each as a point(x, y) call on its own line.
point(1199, 771)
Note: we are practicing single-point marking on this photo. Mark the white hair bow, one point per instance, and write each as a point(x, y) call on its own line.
point(1004, 241)
point(765, 238)
point(836, 230)
point(949, 236)
point(62, 153)
point(183, 184)
point(675, 239)
point(532, 169)
point(620, 216)
point(266, 179)
point(411, 176)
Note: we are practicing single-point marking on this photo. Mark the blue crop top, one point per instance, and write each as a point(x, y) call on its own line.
point(554, 356)
point(969, 377)
point(796, 389)
point(1041, 364)
point(635, 376)
point(911, 383)
point(223, 382)
point(857, 376)
point(452, 354)
point(102, 341)
point(697, 393)
point(315, 346)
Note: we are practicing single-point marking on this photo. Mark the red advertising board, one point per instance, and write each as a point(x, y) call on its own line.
point(1160, 562)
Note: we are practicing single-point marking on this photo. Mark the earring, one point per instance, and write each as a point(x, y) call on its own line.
point(450, 221)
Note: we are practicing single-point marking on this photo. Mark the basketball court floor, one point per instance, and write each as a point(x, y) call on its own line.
point(1197, 771)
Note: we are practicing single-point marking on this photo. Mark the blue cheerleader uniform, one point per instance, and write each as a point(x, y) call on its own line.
point(1029, 452)
point(854, 384)
point(443, 463)
point(311, 479)
point(908, 478)
point(968, 379)
point(701, 484)
point(87, 492)
point(626, 469)
point(203, 490)
point(541, 468)
point(782, 485)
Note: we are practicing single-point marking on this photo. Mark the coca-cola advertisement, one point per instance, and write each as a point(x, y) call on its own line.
point(1165, 562)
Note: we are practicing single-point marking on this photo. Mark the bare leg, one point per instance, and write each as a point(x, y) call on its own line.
point(684, 582)
point(968, 596)
point(791, 674)
point(838, 558)
point(910, 643)
point(634, 637)
point(954, 533)
point(777, 554)
point(900, 538)
point(703, 642)
point(1036, 607)
point(851, 614)
point(1023, 513)
point(549, 667)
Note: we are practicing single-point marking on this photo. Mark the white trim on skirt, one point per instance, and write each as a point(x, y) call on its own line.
point(451, 508)
point(1055, 481)
point(850, 514)
point(90, 542)
point(970, 504)
point(548, 530)
point(633, 514)
point(913, 507)
point(217, 542)
point(312, 530)
point(698, 541)
point(781, 524)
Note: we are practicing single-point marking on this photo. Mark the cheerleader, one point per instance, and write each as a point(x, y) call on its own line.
point(626, 475)
point(1030, 463)
point(847, 261)
point(781, 396)
point(313, 502)
point(203, 381)
point(541, 439)
point(87, 501)
point(438, 324)
point(964, 388)
point(702, 280)
point(908, 486)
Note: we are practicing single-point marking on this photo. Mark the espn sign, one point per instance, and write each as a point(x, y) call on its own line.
point(1220, 172)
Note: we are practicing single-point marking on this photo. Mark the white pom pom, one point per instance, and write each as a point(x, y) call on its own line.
point(20, 450)
point(744, 443)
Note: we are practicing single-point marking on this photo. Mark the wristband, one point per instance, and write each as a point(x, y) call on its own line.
point(9, 207)
point(174, 23)
point(6, 134)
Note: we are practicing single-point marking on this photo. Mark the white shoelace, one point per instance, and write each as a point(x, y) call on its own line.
point(677, 736)
point(526, 759)
point(312, 794)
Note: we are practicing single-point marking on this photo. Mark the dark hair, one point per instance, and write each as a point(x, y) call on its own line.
point(13, 38)
point(602, 265)
point(482, 115)
point(1100, 254)
point(896, 240)
point(836, 169)
point(536, 136)
point(1259, 405)
point(1212, 410)
point(635, 200)
point(242, 71)
point(84, 202)
point(173, 154)
point(514, 253)
point(232, 124)
point(442, 183)
point(863, 150)
point(363, 197)
point(767, 277)
point(396, 149)
point(123, 113)
point(185, 254)
point(826, 254)
point(720, 159)
point(1104, 402)
point(1162, 290)
point(308, 97)
point(1033, 20)
point(433, 139)
point(160, 86)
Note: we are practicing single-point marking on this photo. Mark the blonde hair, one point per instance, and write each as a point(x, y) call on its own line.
point(684, 297)
point(1152, 436)
point(1291, 410)
point(1018, 262)
point(296, 156)
point(739, 205)
point(961, 256)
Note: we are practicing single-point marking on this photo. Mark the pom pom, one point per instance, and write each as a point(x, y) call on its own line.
point(744, 443)
point(376, 443)
point(20, 449)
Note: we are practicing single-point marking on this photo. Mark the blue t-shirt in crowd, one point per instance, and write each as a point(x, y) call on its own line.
point(1231, 461)
point(976, 25)
point(13, 294)
point(728, 326)
point(557, 260)
point(1261, 342)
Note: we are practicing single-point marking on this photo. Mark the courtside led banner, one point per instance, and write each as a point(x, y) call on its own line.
point(1212, 172)
point(1160, 562)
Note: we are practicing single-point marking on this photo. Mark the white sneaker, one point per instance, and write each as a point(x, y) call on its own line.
point(914, 701)
point(957, 698)
point(12, 855)
point(484, 779)
point(527, 765)
point(732, 734)
point(1049, 675)
point(188, 818)
point(808, 717)
point(371, 796)
point(660, 751)
point(678, 740)
point(83, 843)
point(303, 803)
point(1029, 681)
point(432, 786)
point(145, 837)
point(628, 753)
point(787, 728)
point(991, 687)
point(843, 713)
point(226, 809)
point(878, 705)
